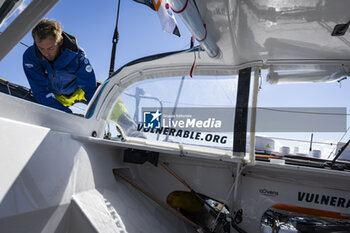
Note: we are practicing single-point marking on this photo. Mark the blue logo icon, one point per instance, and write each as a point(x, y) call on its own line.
point(152, 120)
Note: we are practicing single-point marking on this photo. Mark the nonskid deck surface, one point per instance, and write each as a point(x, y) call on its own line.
point(122, 208)
point(117, 209)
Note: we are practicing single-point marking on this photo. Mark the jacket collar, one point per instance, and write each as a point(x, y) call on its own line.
point(69, 42)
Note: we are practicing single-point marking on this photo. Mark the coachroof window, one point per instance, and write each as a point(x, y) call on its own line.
point(193, 111)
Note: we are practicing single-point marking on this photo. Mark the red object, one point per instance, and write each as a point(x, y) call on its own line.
point(177, 12)
point(194, 63)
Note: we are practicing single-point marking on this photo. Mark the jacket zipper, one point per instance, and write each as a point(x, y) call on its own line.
point(55, 79)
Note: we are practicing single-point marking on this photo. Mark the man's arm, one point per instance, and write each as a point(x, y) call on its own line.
point(86, 79)
point(39, 83)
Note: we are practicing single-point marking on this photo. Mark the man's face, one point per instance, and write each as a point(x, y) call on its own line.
point(49, 48)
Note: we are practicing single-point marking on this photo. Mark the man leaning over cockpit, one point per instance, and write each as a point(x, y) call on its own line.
point(57, 69)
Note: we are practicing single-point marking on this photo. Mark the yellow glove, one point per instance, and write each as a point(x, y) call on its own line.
point(118, 109)
point(77, 97)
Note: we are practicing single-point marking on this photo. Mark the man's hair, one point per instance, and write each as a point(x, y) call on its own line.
point(46, 28)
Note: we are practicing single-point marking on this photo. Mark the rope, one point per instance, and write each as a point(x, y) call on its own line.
point(24, 44)
point(194, 54)
point(299, 140)
point(317, 113)
point(194, 63)
point(339, 141)
point(173, 173)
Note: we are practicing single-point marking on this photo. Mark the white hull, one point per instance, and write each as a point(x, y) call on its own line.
point(63, 182)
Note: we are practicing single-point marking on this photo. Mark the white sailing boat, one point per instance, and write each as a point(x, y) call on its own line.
point(158, 151)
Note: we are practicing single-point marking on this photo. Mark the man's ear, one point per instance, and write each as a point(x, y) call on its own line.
point(61, 42)
point(35, 39)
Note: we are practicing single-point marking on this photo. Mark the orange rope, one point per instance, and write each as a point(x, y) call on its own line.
point(309, 211)
point(173, 173)
point(268, 156)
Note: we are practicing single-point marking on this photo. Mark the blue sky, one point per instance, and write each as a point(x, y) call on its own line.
point(93, 22)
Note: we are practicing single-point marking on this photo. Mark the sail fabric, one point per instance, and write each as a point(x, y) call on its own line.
point(165, 14)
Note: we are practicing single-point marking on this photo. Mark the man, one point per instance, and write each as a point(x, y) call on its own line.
point(57, 70)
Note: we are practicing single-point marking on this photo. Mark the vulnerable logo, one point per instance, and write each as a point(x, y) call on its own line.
point(152, 120)
point(266, 192)
point(324, 199)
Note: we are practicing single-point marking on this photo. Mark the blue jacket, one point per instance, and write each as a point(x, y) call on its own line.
point(70, 71)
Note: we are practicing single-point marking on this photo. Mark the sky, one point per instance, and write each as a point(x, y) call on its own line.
point(140, 34)
point(319, 95)
point(93, 23)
